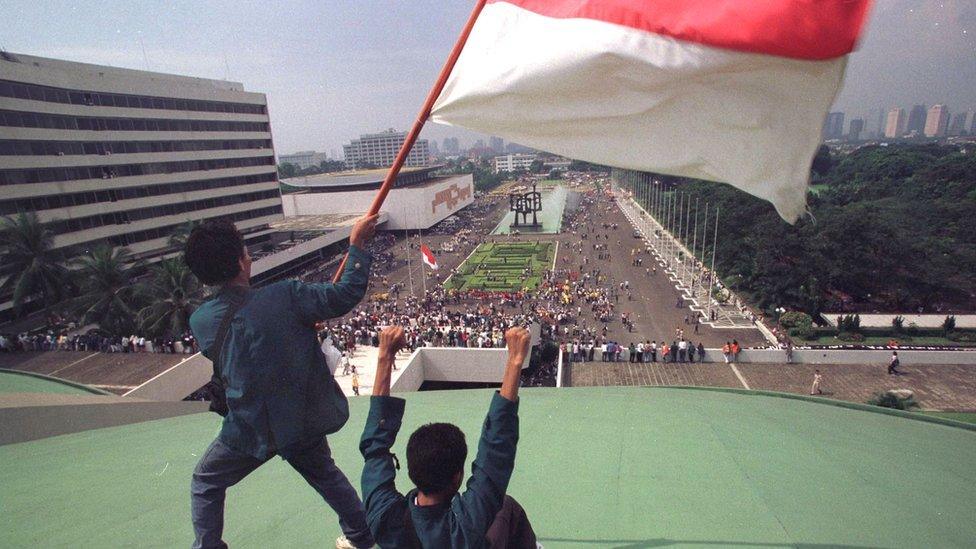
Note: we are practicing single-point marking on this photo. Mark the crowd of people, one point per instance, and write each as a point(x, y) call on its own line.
point(64, 340)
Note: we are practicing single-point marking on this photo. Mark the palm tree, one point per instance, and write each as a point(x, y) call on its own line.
point(174, 293)
point(108, 294)
point(180, 235)
point(31, 266)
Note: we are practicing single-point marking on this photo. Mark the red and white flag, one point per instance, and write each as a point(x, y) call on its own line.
point(725, 90)
point(428, 257)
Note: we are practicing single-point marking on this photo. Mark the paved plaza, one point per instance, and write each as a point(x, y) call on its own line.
point(937, 387)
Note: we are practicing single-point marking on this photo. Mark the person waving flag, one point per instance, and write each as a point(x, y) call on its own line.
point(725, 90)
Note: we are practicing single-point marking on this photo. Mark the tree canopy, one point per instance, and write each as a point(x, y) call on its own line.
point(894, 230)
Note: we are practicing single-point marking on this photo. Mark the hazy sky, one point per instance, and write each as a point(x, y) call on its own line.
point(333, 70)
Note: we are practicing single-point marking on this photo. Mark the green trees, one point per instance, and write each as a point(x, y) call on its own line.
point(30, 266)
point(894, 230)
point(103, 286)
point(173, 294)
point(108, 294)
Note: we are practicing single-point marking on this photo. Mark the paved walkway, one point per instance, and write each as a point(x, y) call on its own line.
point(936, 387)
point(364, 359)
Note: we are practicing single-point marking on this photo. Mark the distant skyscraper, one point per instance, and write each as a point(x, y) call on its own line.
point(451, 145)
point(916, 120)
point(895, 126)
point(834, 126)
point(857, 127)
point(496, 144)
point(957, 126)
point(972, 122)
point(937, 121)
point(380, 149)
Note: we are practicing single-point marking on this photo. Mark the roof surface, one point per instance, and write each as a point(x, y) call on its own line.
point(18, 382)
point(606, 467)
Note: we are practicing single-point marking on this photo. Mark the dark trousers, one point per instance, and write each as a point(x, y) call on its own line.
point(511, 527)
point(222, 467)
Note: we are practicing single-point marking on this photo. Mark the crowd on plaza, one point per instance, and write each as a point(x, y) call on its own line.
point(65, 340)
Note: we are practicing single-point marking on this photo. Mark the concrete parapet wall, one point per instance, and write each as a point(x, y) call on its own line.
point(837, 356)
point(177, 382)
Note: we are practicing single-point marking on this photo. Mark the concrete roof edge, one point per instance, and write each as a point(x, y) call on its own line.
point(829, 402)
point(81, 386)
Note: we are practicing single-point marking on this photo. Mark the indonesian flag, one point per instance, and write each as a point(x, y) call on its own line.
point(428, 257)
point(725, 90)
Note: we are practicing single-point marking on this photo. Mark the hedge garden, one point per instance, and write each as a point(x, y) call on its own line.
point(501, 267)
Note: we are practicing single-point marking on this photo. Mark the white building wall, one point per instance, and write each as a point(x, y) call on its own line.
point(409, 208)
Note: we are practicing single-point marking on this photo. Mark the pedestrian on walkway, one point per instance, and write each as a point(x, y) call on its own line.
point(893, 364)
point(701, 352)
point(817, 379)
point(727, 352)
point(355, 383)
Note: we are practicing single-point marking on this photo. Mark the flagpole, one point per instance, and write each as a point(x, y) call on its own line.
point(418, 124)
point(711, 274)
point(694, 246)
point(701, 277)
point(409, 265)
point(684, 256)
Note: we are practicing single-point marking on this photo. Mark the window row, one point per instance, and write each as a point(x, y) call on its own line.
point(19, 119)
point(44, 175)
point(78, 97)
point(63, 148)
point(63, 226)
point(164, 232)
point(67, 200)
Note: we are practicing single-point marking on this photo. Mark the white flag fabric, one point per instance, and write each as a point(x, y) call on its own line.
point(428, 257)
point(724, 90)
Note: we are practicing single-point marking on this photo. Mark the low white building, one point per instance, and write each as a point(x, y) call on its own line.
point(512, 162)
point(418, 200)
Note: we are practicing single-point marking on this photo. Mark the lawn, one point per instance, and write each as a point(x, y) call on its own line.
point(965, 417)
point(883, 341)
point(501, 266)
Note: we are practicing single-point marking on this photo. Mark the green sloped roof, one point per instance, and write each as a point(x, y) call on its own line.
point(606, 467)
point(24, 382)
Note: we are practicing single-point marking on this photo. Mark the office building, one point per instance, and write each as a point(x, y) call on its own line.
point(452, 145)
point(916, 120)
point(960, 122)
point(856, 128)
point(512, 162)
point(834, 126)
point(303, 159)
point(123, 157)
point(937, 121)
point(379, 150)
point(496, 144)
point(419, 198)
point(895, 125)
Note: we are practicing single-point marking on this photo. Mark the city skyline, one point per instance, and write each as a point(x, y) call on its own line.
point(913, 52)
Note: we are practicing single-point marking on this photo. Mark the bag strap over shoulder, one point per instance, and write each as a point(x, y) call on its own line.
point(237, 300)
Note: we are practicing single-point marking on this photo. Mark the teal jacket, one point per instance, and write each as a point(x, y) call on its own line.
point(462, 522)
point(280, 393)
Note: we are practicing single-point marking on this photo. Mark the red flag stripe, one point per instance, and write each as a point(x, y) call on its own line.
point(799, 29)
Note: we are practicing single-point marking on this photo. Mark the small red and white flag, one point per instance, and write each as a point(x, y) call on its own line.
point(725, 90)
point(428, 257)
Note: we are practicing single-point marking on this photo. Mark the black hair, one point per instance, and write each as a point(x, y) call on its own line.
point(214, 250)
point(435, 454)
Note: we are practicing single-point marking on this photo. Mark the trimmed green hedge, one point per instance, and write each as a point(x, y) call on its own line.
point(505, 261)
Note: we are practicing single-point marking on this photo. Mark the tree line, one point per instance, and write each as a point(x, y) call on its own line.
point(893, 229)
point(101, 285)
